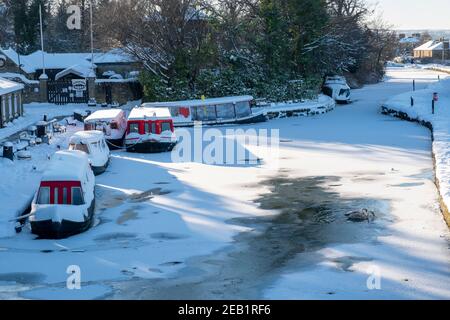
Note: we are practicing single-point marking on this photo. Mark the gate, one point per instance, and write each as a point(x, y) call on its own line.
point(68, 91)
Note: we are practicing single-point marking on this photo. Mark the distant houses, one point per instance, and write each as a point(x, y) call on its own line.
point(432, 51)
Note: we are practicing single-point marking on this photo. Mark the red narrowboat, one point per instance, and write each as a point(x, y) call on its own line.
point(150, 130)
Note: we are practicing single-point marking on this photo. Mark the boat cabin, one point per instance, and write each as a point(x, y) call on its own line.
point(224, 110)
point(150, 130)
point(112, 122)
point(64, 202)
point(92, 143)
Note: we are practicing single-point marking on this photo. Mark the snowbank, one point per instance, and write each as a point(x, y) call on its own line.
point(439, 123)
point(321, 105)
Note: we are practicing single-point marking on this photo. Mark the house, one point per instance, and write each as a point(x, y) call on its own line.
point(69, 65)
point(11, 105)
point(433, 51)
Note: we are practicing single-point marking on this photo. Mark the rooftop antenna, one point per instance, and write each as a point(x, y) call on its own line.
point(43, 75)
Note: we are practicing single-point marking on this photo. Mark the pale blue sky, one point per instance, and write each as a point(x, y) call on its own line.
point(416, 14)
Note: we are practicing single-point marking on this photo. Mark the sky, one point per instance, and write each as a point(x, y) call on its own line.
point(416, 14)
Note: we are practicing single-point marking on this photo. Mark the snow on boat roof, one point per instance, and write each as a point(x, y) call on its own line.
point(87, 137)
point(196, 103)
point(67, 166)
point(104, 115)
point(146, 113)
point(8, 86)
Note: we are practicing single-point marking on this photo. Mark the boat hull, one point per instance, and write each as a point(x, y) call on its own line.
point(48, 229)
point(100, 169)
point(115, 144)
point(151, 147)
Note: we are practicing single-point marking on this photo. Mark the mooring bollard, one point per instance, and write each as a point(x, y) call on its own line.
point(8, 151)
point(432, 106)
point(412, 102)
point(414, 85)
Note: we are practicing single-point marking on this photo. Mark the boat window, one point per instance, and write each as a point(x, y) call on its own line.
point(65, 198)
point(77, 196)
point(114, 126)
point(43, 196)
point(147, 128)
point(243, 109)
point(79, 147)
point(165, 126)
point(95, 145)
point(134, 128)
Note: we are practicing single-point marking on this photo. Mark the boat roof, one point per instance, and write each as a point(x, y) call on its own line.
point(104, 115)
point(67, 166)
point(87, 137)
point(199, 102)
point(146, 113)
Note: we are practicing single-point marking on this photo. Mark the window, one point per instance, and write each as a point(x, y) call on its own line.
point(79, 147)
point(65, 198)
point(43, 196)
point(114, 126)
point(153, 127)
point(77, 196)
point(147, 127)
point(133, 128)
point(165, 126)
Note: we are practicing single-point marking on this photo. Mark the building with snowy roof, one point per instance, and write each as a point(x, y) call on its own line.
point(433, 51)
point(68, 65)
point(11, 106)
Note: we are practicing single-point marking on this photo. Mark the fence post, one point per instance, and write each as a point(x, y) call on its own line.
point(412, 101)
point(432, 106)
point(43, 88)
point(414, 85)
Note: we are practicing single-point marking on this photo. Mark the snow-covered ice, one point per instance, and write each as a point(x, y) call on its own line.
point(178, 227)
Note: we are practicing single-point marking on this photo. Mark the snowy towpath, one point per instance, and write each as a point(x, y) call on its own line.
point(191, 230)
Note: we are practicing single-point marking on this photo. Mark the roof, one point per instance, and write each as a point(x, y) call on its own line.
point(7, 86)
point(430, 45)
point(87, 137)
point(32, 62)
point(146, 113)
point(104, 115)
point(196, 103)
point(67, 166)
point(82, 71)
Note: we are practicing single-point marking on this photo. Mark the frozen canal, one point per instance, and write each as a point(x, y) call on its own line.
point(189, 230)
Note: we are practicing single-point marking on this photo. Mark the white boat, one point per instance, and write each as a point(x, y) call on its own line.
point(150, 130)
point(215, 111)
point(113, 123)
point(92, 143)
point(337, 88)
point(64, 204)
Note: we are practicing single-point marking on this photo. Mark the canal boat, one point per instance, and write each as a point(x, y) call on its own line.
point(336, 87)
point(113, 123)
point(92, 143)
point(64, 203)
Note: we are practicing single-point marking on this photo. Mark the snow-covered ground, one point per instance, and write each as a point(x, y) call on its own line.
point(440, 121)
point(192, 230)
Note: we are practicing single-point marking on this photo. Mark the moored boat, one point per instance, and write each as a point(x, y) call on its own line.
point(214, 111)
point(92, 143)
point(64, 204)
point(112, 122)
point(150, 130)
point(337, 88)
